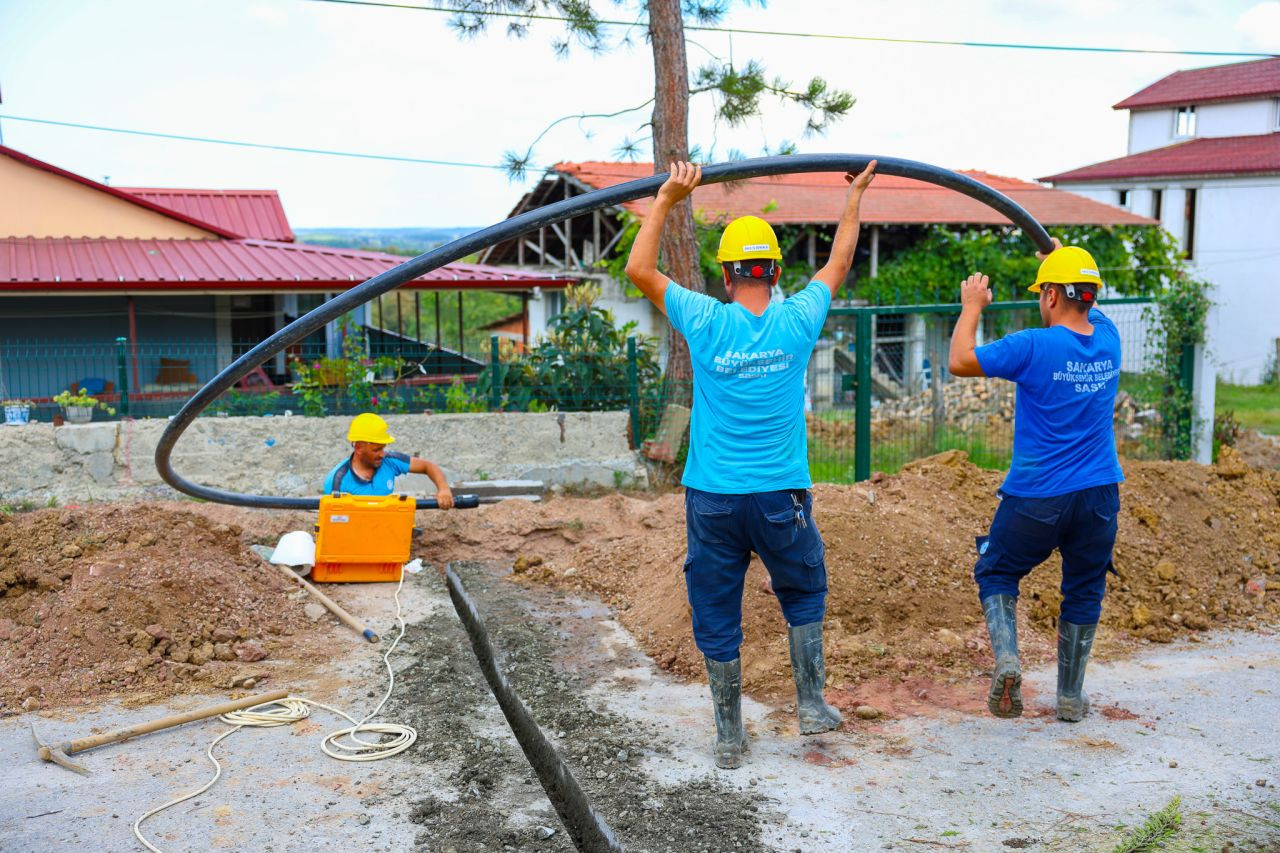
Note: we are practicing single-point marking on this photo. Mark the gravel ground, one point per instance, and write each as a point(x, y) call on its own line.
point(1195, 720)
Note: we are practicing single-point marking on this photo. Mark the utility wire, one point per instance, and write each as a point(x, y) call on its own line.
point(241, 144)
point(492, 13)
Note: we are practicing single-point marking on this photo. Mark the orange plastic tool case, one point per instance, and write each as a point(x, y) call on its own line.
point(363, 538)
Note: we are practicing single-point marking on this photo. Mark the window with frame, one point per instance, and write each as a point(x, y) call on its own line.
point(1157, 203)
point(1122, 198)
point(1275, 125)
point(1184, 121)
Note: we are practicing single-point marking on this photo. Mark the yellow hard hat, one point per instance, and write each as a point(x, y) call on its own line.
point(748, 237)
point(1067, 265)
point(369, 427)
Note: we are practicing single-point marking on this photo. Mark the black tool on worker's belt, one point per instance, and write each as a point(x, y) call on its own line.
point(799, 508)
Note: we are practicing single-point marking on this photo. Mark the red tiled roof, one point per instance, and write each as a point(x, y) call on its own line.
point(56, 264)
point(256, 214)
point(819, 197)
point(1233, 82)
point(1222, 155)
point(28, 160)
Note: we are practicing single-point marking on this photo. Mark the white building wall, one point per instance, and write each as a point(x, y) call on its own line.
point(1149, 129)
point(1237, 250)
point(1241, 118)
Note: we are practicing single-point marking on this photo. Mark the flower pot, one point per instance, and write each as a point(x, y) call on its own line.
point(78, 414)
point(17, 415)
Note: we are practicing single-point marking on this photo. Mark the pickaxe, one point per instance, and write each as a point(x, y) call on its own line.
point(58, 753)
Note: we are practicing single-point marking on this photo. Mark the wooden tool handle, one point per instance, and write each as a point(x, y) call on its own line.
point(332, 605)
point(81, 744)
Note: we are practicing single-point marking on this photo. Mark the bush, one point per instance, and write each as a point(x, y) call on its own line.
point(581, 364)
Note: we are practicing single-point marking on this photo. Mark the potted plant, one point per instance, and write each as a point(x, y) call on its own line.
point(17, 412)
point(78, 408)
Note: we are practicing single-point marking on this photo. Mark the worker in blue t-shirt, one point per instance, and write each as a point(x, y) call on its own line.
point(1062, 490)
point(747, 474)
point(371, 470)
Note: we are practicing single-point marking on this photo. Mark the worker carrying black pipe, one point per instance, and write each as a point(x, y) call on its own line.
point(1062, 490)
point(747, 474)
point(372, 470)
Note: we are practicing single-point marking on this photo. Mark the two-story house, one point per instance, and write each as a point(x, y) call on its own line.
point(1204, 160)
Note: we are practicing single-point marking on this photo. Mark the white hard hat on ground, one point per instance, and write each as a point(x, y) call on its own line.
point(295, 548)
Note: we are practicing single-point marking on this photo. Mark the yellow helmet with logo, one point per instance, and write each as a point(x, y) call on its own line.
point(369, 427)
point(748, 237)
point(1068, 265)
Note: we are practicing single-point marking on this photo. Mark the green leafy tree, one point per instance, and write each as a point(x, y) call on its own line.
point(738, 90)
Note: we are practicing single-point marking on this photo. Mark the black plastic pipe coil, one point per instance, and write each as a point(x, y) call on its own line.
point(522, 224)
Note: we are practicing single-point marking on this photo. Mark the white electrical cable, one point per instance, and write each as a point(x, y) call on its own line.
point(397, 738)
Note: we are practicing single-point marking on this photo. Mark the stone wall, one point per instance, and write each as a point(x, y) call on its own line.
point(291, 455)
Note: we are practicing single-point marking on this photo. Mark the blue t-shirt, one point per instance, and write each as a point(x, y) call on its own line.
point(1063, 433)
point(747, 429)
point(383, 481)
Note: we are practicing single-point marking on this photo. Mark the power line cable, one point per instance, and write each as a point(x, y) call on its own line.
point(493, 13)
point(293, 149)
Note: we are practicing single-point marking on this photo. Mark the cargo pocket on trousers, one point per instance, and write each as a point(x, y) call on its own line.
point(815, 568)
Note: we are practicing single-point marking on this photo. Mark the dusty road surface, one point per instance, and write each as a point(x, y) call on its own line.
point(1189, 719)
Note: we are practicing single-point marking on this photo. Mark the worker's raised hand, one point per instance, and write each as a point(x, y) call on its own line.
point(683, 178)
point(974, 292)
point(1057, 244)
point(444, 499)
point(863, 179)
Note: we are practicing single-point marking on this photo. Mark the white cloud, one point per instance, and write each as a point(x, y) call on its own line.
point(1260, 26)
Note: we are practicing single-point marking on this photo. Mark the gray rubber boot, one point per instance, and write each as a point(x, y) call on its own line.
point(810, 670)
point(1005, 698)
point(725, 678)
point(1074, 645)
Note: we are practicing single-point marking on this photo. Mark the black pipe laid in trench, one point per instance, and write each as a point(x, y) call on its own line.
point(589, 831)
point(522, 224)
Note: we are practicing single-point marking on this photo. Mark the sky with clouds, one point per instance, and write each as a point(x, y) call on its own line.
point(400, 82)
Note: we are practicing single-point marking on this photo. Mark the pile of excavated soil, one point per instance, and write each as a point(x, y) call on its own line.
point(133, 601)
point(1198, 548)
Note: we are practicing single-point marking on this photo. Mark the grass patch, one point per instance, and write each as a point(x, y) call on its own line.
point(828, 464)
point(1255, 406)
point(1158, 828)
point(26, 505)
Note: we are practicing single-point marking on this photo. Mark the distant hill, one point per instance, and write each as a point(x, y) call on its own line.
point(401, 241)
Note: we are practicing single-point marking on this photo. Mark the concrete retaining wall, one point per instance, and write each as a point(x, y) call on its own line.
point(291, 455)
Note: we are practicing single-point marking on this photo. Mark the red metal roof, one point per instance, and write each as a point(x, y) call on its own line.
point(1222, 155)
point(257, 214)
point(65, 264)
point(27, 160)
point(1234, 82)
point(819, 197)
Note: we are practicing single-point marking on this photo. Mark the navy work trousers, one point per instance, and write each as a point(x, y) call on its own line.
point(1024, 532)
point(723, 530)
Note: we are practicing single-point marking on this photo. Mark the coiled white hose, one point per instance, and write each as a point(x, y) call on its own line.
point(343, 744)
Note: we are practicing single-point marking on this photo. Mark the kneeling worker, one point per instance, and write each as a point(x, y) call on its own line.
point(1062, 488)
point(747, 475)
point(371, 470)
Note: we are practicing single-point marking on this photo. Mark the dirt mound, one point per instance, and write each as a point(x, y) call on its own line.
point(134, 601)
point(1199, 548)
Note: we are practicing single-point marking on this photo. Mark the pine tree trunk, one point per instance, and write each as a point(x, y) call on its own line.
point(671, 142)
